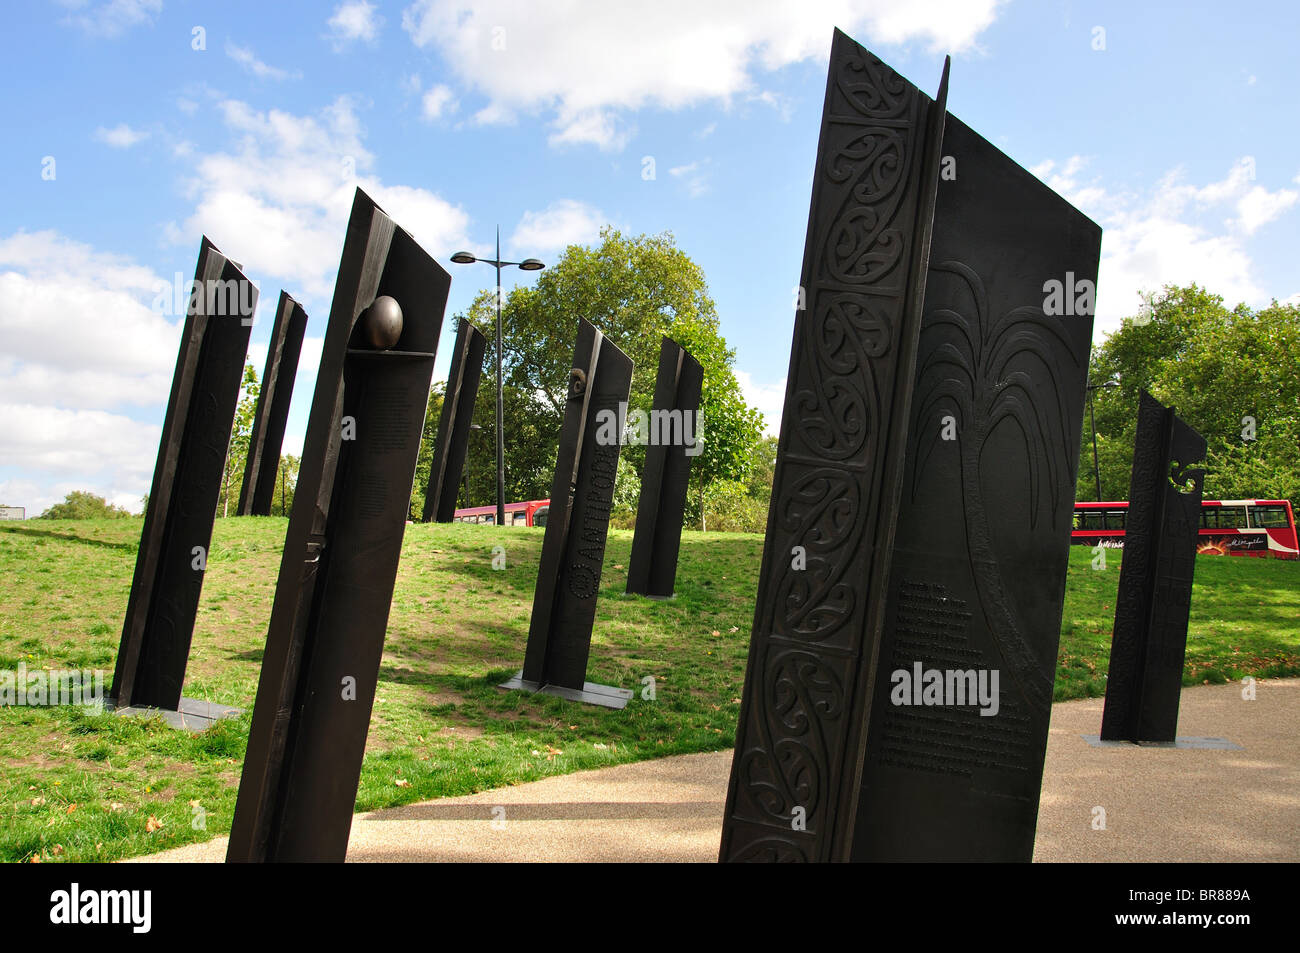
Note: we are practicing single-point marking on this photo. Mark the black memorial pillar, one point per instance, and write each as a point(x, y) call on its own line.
point(454, 424)
point(264, 445)
point(821, 593)
point(177, 533)
point(1144, 682)
point(652, 569)
point(573, 549)
point(335, 589)
point(900, 677)
point(977, 578)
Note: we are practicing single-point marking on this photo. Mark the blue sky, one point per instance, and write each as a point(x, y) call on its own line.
point(132, 127)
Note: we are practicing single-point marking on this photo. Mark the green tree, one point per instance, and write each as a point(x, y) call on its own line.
point(241, 435)
point(428, 440)
point(763, 471)
point(282, 499)
point(1221, 369)
point(635, 290)
point(81, 505)
point(730, 508)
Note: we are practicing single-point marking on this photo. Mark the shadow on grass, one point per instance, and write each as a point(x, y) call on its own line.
point(126, 547)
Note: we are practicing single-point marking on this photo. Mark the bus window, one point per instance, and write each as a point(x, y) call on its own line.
point(539, 517)
point(1114, 519)
point(1232, 517)
point(490, 519)
point(1269, 517)
point(518, 517)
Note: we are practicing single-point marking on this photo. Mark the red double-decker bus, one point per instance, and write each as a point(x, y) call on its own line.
point(528, 513)
point(1228, 527)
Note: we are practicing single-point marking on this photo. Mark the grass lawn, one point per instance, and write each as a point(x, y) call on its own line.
point(84, 787)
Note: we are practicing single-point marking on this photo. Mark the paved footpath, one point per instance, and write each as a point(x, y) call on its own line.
point(1161, 804)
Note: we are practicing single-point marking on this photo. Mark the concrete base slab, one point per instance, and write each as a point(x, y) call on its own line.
point(191, 715)
point(592, 694)
point(1217, 744)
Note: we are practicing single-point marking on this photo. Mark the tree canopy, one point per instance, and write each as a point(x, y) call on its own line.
point(636, 290)
point(81, 505)
point(1230, 373)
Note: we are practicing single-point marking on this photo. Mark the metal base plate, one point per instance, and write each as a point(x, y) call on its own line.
point(191, 715)
point(592, 694)
point(1220, 744)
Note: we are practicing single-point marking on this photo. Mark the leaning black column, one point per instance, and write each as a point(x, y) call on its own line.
point(264, 445)
point(573, 549)
point(332, 600)
point(821, 592)
point(1144, 682)
point(652, 569)
point(177, 531)
point(977, 575)
point(454, 424)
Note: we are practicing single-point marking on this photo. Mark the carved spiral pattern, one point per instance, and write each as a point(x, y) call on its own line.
point(822, 512)
point(789, 768)
point(790, 749)
point(771, 850)
point(872, 88)
point(838, 407)
point(861, 247)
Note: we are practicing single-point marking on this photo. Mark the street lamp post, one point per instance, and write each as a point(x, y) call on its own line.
point(528, 264)
point(1092, 422)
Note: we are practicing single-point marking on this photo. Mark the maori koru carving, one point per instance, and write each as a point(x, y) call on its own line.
point(889, 544)
point(793, 779)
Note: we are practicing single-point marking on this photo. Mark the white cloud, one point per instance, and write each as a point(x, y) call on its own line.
point(281, 196)
point(112, 17)
point(120, 136)
point(82, 342)
point(1258, 206)
point(769, 399)
point(693, 176)
point(595, 127)
point(559, 225)
point(585, 65)
point(249, 62)
point(356, 20)
point(63, 441)
point(57, 451)
point(437, 100)
point(79, 327)
point(1174, 234)
point(65, 307)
